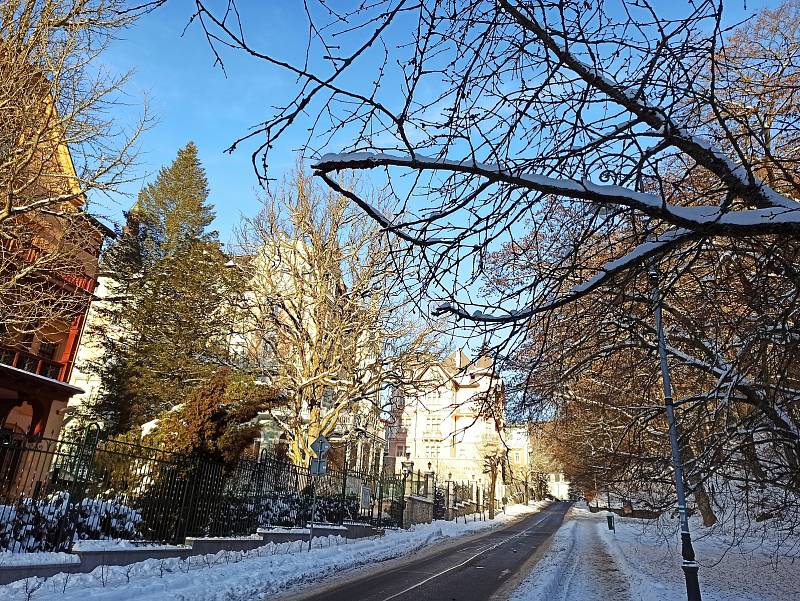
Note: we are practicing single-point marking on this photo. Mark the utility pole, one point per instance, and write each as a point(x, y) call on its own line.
point(689, 563)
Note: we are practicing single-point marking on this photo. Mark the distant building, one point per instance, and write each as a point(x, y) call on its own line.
point(520, 452)
point(449, 418)
point(558, 486)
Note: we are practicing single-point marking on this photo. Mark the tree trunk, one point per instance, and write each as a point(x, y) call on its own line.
point(701, 496)
point(704, 505)
point(492, 482)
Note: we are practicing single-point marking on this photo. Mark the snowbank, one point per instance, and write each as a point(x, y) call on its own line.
point(113, 545)
point(639, 562)
point(234, 576)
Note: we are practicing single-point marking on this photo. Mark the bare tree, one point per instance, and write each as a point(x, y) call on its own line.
point(324, 321)
point(58, 144)
point(553, 152)
point(538, 106)
point(495, 459)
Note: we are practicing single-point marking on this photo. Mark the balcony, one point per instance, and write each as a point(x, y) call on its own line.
point(32, 363)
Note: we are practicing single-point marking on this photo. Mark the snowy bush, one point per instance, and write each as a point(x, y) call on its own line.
point(53, 524)
point(294, 509)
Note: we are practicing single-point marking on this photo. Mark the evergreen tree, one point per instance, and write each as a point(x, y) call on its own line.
point(218, 420)
point(165, 323)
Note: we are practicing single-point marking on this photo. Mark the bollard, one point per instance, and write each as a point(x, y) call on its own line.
point(610, 519)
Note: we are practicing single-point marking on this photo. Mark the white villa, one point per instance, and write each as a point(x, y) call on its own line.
point(449, 420)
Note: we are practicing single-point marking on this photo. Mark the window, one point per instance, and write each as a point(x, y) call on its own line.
point(517, 457)
point(405, 421)
point(47, 350)
point(432, 423)
point(431, 451)
point(401, 451)
point(556, 477)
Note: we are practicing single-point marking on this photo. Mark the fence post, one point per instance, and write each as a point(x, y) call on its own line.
point(380, 499)
point(182, 521)
point(87, 449)
point(344, 494)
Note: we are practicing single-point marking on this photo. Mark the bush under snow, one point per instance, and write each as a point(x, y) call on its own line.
point(54, 524)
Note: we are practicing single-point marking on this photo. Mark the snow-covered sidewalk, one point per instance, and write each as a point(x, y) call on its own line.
point(240, 576)
point(586, 561)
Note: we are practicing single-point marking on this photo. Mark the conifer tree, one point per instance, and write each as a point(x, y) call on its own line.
point(164, 328)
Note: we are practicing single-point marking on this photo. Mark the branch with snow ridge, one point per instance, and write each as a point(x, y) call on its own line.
point(739, 180)
point(705, 220)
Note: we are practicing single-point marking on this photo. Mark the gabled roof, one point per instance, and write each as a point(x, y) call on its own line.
point(457, 365)
point(455, 362)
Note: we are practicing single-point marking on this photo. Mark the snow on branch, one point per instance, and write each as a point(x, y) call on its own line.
point(740, 180)
point(708, 220)
point(606, 273)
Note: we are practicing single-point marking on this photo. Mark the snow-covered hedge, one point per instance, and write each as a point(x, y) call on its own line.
point(53, 524)
point(293, 509)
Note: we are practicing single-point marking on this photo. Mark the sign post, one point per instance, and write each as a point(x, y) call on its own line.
point(319, 466)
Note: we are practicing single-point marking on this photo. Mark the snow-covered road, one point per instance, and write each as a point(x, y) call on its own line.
point(587, 562)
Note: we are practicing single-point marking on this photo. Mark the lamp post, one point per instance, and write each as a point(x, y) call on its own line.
point(689, 563)
point(408, 470)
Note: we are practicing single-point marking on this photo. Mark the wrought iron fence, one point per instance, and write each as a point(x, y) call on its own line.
point(54, 492)
point(453, 499)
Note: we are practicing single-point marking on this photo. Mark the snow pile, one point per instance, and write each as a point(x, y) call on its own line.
point(587, 561)
point(522, 509)
point(53, 524)
point(235, 576)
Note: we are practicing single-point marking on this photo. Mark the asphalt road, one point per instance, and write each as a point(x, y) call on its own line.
point(473, 570)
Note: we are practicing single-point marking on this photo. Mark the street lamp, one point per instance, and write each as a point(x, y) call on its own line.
point(689, 563)
point(408, 470)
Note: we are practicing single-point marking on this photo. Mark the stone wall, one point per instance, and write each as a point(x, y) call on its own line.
point(418, 510)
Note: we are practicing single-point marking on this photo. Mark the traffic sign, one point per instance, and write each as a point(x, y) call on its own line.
point(319, 467)
point(321, 445)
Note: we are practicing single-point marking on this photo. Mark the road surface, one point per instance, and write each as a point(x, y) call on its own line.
point(474, 570)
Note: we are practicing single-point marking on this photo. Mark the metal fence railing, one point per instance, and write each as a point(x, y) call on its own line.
point(454, 499)
point(54, 492)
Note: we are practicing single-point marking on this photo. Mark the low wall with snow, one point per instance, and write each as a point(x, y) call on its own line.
point(418, 510)
point(16, 566)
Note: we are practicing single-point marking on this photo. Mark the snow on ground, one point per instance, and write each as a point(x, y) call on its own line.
point(586, 561)
point(240, 576)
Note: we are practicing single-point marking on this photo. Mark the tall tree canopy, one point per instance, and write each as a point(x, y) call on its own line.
point(166, 321)
point(325, 321)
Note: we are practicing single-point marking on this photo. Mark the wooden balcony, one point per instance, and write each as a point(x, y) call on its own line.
point(73, 276)
point(32, 363)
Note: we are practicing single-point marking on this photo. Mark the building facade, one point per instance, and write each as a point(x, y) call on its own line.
point(449, 419)
point(54, 258)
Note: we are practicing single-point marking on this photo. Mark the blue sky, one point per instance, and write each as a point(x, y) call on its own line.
point(191, 99)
